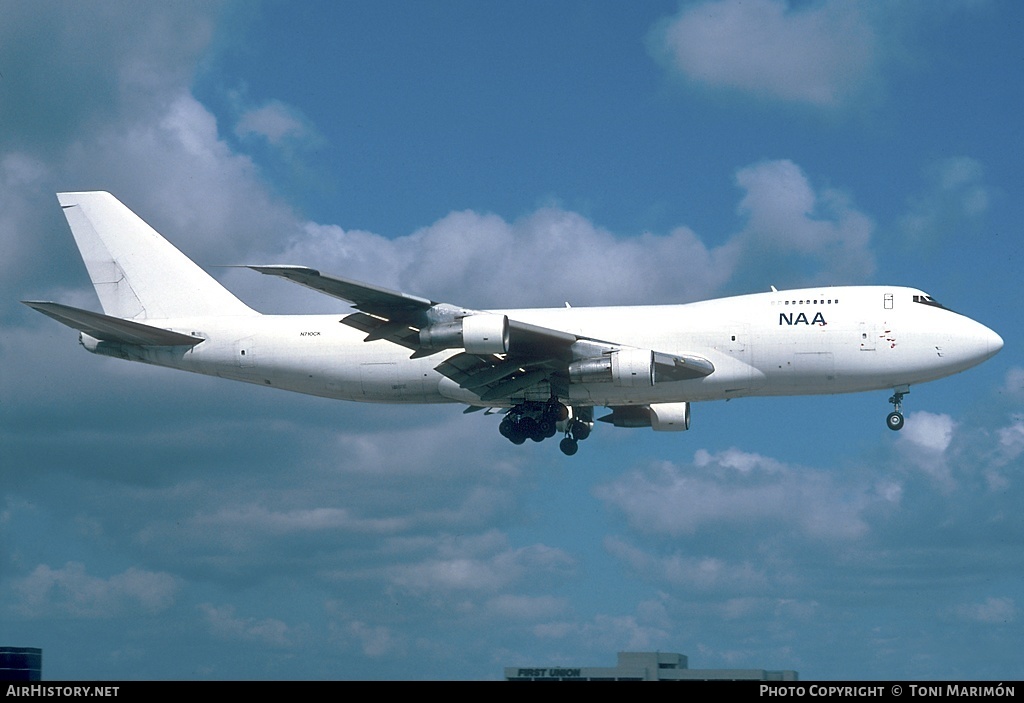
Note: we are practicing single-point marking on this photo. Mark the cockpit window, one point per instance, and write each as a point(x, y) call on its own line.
point(928, 300)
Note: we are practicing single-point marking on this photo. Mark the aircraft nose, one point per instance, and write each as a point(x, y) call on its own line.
point(985, 342)
point(993, 341)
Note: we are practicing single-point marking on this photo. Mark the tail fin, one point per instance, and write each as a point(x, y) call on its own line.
point(137, 273)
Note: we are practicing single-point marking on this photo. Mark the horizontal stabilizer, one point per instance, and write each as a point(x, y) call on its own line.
point(112, 329)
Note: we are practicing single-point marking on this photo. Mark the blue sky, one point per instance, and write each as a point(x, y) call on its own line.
point(158, 525)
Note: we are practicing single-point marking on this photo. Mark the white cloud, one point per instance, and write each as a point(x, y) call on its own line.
point(481, 260)
point(786, 218)
point(608, 633)
point(70, 591)
point(1013, 385)
point(490, 572)
point(374, 640)
point(225, 624)
point(698, 573)
point(923, 443)
point(991, 611)
point(1010, 442)
point(953, 204)
point(734, 490)
point(822, 54)
point(930, 432)
point(509, 607)
point(276, 122)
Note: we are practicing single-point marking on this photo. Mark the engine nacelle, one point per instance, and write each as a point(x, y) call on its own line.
point(627, 368)
point(670, 417)
point(477, 334)
point(633, 368)
point(660, 417)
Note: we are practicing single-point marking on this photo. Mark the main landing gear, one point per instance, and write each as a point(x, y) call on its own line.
point(894, 421)
point(575, 432)
point(539, 421)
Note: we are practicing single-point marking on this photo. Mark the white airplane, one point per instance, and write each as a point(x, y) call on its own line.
point(547, 368)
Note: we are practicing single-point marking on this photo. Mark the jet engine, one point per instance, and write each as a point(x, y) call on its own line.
point(660, 417)
point(478, 334)
point(628, 368)
point(670, 417)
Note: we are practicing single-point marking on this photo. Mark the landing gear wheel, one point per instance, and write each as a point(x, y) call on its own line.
point(894, 421)
point(546, 427)
point(558, 411)
point(580, 430)
point(569, 446)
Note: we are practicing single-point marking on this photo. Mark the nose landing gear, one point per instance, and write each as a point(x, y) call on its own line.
point(894, 421)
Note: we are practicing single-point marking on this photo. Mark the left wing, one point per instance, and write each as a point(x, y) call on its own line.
point(386, 314)
point(502, 358)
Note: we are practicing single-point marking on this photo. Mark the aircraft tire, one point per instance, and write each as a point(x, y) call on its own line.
point(569, 446)
point(547, 427)
point(580, 430)
point(894, 421)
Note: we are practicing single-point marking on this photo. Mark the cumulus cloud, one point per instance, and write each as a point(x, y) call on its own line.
point(736, 490)
point(818, 236)
point(709, 574)
point(375, 641)
point(1013, 385)
point(952, 205)
point(808, 236)
point(501, 264)
point(930, 432)
point(1011, 440)
point(991, 611)
point(608, 633)
point(275, 122)
point(924, 442)
point(71, 591)
point(516, 607)
point(225, 624)
point(465, 570)
point(820, 54)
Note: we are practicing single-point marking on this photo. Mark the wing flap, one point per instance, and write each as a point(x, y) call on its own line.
point(112, 329)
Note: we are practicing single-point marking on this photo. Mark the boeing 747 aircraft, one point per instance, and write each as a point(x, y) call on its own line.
point(546, 368)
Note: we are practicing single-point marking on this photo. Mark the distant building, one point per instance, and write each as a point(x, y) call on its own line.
point(644, 666)
point(21, 664)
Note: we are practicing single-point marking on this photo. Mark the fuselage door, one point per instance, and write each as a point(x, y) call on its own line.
point(866, 336)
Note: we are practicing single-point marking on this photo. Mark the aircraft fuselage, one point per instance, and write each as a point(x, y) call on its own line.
point(796, 342)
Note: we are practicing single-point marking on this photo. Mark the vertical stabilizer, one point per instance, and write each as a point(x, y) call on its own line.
point(137, 273)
